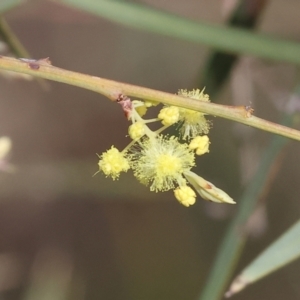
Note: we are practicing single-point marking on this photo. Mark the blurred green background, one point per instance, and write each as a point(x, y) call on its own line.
point(67, 235)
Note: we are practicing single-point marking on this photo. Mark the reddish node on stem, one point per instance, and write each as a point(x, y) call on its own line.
point(126, 104)
point(35, 64)
point(249, 111)
point(32, 63)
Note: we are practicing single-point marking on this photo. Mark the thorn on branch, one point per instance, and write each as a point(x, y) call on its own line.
point(35, 64)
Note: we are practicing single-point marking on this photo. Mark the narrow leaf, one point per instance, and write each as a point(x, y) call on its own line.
point(283, 251)
point(232, 246)
point(233, 40)
point(6, 5)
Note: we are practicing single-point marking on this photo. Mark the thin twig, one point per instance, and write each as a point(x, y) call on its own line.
point(113, 90)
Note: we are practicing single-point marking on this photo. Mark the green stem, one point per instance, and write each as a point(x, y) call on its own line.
point(112, 89)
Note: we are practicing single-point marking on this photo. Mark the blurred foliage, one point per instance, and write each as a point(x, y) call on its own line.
point(60, 283)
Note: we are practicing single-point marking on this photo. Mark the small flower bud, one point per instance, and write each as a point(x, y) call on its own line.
point(112, 163)
point(169, 115)
point(200, 144)
point(136, 130)
point(185, 195)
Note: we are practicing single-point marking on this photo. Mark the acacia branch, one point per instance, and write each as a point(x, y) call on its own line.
point(112, 89)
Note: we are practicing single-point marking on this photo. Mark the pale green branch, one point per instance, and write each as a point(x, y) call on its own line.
point(113, 89)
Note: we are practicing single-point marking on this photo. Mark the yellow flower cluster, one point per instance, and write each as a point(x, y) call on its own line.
point(200, 144)
point(160, 162)
point(169, 115)
point(185, 195)
point(164, 162)
point(113, 162)
point(136, 130)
